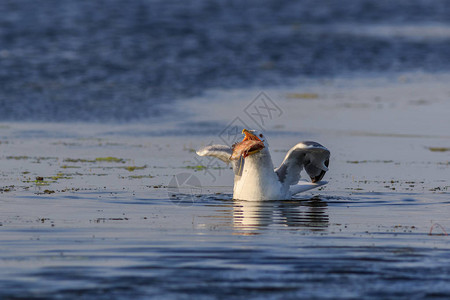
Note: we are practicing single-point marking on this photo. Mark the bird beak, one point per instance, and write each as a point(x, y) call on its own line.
point(251, 144)
point(249, 136)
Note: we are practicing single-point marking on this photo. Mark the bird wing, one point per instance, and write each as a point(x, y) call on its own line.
point(311, 156)
point(303, 186)
point(222, 152)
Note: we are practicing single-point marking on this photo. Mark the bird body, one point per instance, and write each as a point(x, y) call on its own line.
point(255, 177)
point(258, 181)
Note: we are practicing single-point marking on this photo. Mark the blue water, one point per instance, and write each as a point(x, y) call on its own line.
point(114, 61)
point(135, 246)
point(96, 229)
point(103, 231)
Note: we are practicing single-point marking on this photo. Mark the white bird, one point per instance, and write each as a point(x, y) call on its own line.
point(255, 177)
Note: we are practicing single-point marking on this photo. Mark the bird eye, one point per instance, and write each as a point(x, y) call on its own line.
point(260, 135)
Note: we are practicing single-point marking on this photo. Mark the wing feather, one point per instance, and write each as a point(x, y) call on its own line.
point(311, 156)
point(222, 152)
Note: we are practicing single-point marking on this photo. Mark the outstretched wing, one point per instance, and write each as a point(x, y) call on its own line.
point(311, 156)
point(222, 152)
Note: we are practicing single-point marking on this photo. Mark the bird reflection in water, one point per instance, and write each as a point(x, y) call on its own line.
point(305, 214)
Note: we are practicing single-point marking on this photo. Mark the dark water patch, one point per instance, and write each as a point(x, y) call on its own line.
point(110, 61)
point(236, 270)
point(217, 273)
point(180, 131)
point(48, 133)
point(211, 130)
point(69, 273)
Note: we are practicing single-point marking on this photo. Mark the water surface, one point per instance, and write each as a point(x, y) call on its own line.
point(105, 219)
point(103, 104)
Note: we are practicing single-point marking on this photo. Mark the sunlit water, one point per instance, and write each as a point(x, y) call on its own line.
point(107, 220)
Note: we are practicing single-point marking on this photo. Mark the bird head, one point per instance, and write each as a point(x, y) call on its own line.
point(253, 142)
point(254, 135)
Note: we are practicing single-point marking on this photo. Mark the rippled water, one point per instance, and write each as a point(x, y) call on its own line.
point(220, 248)
point(104, 60)
point(123, 210)
point(97, 228)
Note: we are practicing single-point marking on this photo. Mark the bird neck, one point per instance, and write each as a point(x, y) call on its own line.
point(258, 180)
point(259, 162)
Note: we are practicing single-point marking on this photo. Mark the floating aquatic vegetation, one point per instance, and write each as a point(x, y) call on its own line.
point(196, 168)
point(60, 176)
point(158, 186)
point(132, 168)
point(110, 159)
point(140, 176)
point(7, 189)
point(37, 158)
point(17, 157)
point(39, 182)
point(98, 159)
point(439, 149)
point(302, 96)
point(76, 160)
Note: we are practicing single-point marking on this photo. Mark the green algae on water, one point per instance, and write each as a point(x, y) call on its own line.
point(110, 159)
point(438, 149)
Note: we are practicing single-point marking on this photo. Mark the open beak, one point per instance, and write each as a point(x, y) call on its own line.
point(251, 144)
point(249, 136)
